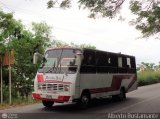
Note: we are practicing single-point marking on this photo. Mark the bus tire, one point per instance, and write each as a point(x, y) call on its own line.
point(85, 99)
point(122, 95)
point(48, 104)
point(115, 97)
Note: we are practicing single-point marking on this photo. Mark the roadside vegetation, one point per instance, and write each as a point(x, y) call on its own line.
point(16, 102)
point(148, 73)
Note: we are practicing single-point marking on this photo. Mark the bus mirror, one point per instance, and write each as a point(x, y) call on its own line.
point(44, 59)
point(37, 57)
point(78, 53)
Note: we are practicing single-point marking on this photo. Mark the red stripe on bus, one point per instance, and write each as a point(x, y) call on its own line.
point(60, 98)
point(116, 83)
point(132, 82)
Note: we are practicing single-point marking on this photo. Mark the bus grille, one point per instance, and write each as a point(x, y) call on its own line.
point(50, 87)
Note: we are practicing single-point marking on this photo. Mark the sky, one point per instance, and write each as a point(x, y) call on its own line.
point(73, 25)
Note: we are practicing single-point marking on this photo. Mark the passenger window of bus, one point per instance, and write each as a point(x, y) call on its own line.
point(128, 63)
point(101, 59)
point(109, 60)
point(133, 64)
point(89, 58)
point(119, 61)
point(124, 62)
point(112, 60)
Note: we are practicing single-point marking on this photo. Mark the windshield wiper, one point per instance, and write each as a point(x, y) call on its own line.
point(59, 61)
point(52, 68)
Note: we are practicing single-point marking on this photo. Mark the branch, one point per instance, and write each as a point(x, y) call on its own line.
point(149, 5)
point(118, 5)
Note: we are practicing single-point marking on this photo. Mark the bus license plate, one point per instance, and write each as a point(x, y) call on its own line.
point(49, 96)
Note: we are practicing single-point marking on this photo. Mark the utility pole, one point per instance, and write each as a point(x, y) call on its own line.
point(9, 66)
point(10, 94)
point(1, 83)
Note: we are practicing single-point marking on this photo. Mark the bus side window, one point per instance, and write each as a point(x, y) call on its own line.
point(101, 62)
point(109, 60)
point(89, 58)
point(88, 63)
point(101, 59)
point(113, 60)
point(133, 64)
point(128, 62)
point(112, 63)
point(120, 62)
point(124, 60)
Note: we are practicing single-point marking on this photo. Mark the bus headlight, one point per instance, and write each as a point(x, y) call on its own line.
point(66, 87)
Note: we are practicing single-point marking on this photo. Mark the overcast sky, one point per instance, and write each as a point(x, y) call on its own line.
point(73, 26)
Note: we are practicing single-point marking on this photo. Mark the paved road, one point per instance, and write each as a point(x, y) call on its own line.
point(144, 100)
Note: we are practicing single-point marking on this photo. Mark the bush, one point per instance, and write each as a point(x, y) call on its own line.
point(20, 100)
point(148, 77)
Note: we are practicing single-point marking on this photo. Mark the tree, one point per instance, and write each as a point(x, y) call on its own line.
point(42, 36)
point(101, 8)
point(24, 47)
point(14, 35)
point(6, 29)
point(146, 66)
point(147, 11)
point(9, 30)
point(58, 43)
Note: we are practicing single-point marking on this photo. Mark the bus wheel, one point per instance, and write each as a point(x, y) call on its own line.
point(122, 95)
point(48, 104)
point(85, 100)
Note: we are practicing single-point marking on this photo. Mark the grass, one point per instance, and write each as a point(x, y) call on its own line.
point(148, 77)
point(16, 102)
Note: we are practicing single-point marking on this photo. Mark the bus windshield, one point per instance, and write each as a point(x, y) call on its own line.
point(60, 61)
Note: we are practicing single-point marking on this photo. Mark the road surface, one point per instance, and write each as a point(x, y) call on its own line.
point(144, 100)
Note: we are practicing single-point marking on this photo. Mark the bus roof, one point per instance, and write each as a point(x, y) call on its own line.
point(96, 50)
point(120, 54)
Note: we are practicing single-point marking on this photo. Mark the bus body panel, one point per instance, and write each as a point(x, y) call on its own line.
point(102, 85)
point(57, 83)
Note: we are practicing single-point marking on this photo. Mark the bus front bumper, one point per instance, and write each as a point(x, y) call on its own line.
point(51, 97)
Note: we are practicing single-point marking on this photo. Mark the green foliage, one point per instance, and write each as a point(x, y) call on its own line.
point(97, 8)
point(148, 14)
point(148, 73)
point(24, 43)
point(24, 49)
point(135, 6)
point(148, 67)
point(5, 93)
point(41, 36)
point(20, 100)
point(58, 43)
point(83, 46)
point(63, 3)
point(148, 77)
point(50, 3)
